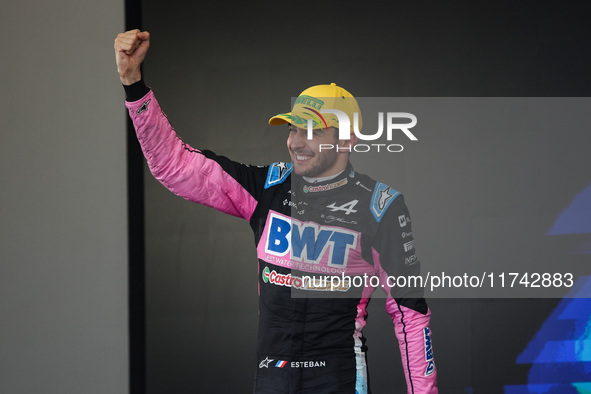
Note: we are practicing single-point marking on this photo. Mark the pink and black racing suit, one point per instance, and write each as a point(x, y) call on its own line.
point(310, 333)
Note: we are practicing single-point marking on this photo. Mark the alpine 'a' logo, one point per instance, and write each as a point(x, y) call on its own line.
point(348, 207)
point(144, 107)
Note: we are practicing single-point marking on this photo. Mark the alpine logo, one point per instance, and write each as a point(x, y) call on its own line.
point(144, 107)
point(347, 207)
point(428, 352)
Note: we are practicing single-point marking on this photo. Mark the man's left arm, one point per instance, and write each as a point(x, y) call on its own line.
point(395, 256)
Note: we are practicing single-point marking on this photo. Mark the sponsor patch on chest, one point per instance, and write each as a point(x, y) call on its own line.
point(308, 246)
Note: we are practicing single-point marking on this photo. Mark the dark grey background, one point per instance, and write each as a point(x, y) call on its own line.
point(63, 242)
point(220, 70)
point(481, 174)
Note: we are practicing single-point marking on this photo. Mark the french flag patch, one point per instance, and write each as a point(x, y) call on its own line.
point(280, 363)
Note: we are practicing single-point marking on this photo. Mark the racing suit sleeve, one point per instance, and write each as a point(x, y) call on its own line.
point(198, 176)
point(394, 255)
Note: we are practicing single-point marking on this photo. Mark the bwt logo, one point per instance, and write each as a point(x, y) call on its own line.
point(345, 130)
point(309, 242)
point(428, 352)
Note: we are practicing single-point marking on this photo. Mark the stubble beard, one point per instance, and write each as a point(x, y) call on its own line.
point(325, 161)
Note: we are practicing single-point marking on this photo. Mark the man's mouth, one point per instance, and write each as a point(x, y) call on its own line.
point(302, 157)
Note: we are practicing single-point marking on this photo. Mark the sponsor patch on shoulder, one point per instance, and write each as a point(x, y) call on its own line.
point(382, 197)
point(277, 174)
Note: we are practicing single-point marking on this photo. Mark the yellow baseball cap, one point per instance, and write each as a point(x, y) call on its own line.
point(320, 97)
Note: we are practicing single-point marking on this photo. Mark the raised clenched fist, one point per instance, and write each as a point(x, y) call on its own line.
point(130, 51)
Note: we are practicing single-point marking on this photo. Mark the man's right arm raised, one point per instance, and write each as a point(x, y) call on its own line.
point(198, 176)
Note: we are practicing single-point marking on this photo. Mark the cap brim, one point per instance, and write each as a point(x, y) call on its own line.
point(280, 119)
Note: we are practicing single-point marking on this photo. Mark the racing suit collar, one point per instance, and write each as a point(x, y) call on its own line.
point(325, 184)
point(321, 179)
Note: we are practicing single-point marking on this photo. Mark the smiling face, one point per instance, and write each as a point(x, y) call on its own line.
point(308, 160)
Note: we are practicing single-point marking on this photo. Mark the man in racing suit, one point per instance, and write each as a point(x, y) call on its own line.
point(312, 218)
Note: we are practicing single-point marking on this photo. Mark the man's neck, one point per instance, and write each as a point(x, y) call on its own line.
point(322, 179)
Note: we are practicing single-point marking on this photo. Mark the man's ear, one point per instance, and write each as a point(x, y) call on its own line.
point(350, 142)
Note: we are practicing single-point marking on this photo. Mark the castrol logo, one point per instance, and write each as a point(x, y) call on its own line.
point(287, 280)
